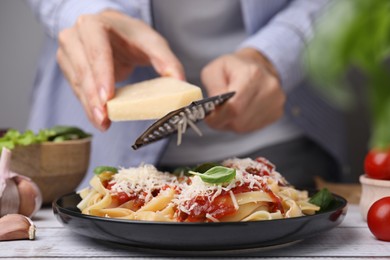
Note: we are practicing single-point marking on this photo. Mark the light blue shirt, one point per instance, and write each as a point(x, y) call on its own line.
point(277, 28)
point(197, 36)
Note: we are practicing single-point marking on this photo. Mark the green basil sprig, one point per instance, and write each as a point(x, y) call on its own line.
point(216, 175)
point(202, 168)
point(13, 137)
point(323, 199)
point(100, 169)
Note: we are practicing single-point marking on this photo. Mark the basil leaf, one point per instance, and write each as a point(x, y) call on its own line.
point(100, 169)
point(27, 138)
point(12, 134)
point(13, 137)
point(202, 168)
point(205, 167)
point(62, 133)
point(217, 175)
point(323, 199)
point(7, 144)
point(43, 135)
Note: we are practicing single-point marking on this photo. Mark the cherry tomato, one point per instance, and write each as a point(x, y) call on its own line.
point(377, 164)
point(378, 219)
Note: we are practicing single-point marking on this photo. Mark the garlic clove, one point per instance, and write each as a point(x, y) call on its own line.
point(10, 200)
point(15, 227)
point(18, 193)
point(30, 196)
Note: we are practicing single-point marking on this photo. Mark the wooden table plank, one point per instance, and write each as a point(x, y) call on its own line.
point(351, 239)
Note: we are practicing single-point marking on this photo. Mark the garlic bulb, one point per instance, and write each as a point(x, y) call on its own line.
point(18, 194)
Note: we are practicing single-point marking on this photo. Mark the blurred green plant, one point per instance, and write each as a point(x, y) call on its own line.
point(355, 34)
point(58, 133)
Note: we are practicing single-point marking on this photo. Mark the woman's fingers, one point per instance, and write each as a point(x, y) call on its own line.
point(80, 74)
point(105, 47)
point(215, 81)
point(97, 48)
point(215, 78)
point(259, 99)
point(163, 60)
point(264, 108)
point(145, 45)
point(67, 70)
point(224, 75)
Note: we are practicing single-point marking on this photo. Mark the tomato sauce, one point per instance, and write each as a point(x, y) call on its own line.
point(254, 171)
point(223, 205)
point(267, 163)
point(123, 197)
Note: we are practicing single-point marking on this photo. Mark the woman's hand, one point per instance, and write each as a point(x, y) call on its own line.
point(259, 98)
point(104, 48)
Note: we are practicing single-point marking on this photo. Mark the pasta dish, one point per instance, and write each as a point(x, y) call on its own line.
point(236, 190)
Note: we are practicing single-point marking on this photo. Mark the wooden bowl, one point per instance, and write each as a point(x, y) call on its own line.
point(57, 168)
point(372, 190)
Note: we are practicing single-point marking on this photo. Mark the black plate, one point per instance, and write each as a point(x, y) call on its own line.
point(197, 236)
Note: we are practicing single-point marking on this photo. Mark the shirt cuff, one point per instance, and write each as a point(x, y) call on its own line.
point(68, 11)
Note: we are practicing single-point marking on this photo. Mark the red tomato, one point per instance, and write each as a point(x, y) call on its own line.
point(377, 164)
point(378, 219)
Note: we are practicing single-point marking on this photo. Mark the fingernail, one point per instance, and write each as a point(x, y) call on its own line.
point(169, 72)
point(103, 95)
point(98, 115)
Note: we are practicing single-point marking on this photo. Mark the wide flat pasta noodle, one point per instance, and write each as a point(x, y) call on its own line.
point(100, 200)
point(159, 202)
point(308, 208)
point(263, 215)
point(253, 196)
point(243, 211)
point(112, 213)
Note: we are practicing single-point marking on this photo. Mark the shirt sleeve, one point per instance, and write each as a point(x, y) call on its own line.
point(56, 15)
point(284, 38)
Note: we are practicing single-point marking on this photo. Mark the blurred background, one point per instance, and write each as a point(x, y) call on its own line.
point(20, 42)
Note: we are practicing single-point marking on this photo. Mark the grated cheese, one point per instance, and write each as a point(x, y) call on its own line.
point(242, 164)
point(234, 200)
point(196, 188)
point(208, 216)
point(146, 179)
point(141, 180)
point(190, 117)
point(199, 188)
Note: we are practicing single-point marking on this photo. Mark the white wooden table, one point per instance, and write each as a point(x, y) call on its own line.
point(351, 240)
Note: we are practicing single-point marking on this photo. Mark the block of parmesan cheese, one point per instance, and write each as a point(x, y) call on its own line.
point(151, 99)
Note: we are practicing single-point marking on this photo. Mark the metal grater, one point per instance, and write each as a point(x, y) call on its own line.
point(169, 124)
